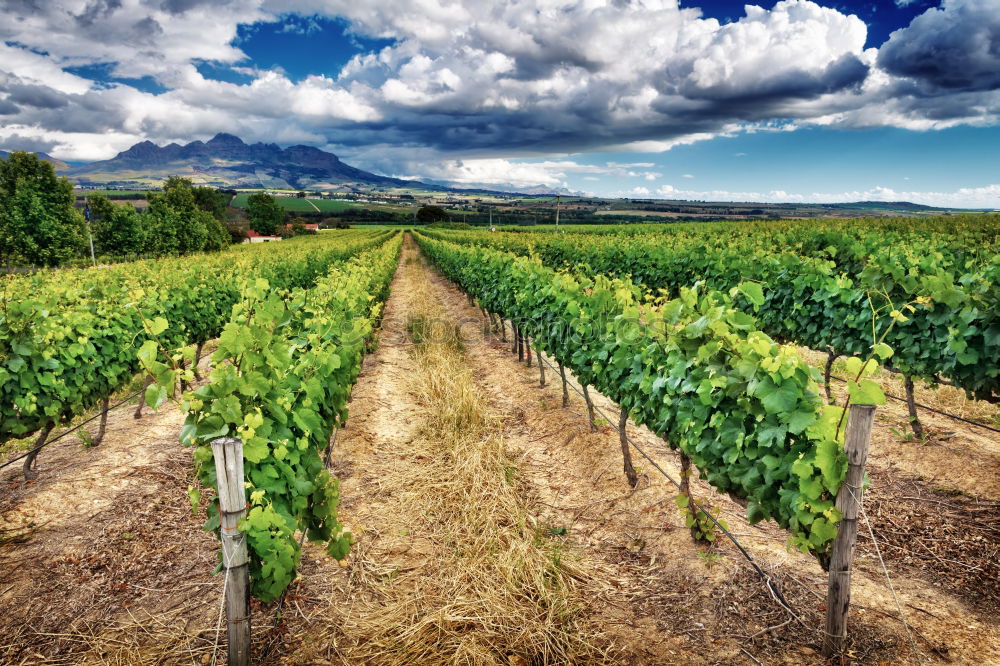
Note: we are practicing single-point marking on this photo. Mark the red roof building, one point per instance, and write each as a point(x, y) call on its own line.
point(254, 237)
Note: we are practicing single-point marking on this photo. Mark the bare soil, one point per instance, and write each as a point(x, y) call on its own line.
point(103, 561)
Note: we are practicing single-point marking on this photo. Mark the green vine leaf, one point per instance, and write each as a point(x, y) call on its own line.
point(866, 392)
point(753, 292)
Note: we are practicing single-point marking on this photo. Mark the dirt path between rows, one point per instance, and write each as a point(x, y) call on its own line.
point(447, 531)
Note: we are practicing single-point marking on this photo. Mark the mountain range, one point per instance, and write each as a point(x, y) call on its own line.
point(56, 164)
point(226, 161)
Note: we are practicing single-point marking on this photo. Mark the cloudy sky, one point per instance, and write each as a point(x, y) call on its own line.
point(835, 100)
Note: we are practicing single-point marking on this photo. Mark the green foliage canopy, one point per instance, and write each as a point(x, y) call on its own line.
point(38, 223)
point(431, 214)
point(265, 214)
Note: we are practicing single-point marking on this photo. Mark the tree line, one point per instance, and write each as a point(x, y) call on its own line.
point(41, 226)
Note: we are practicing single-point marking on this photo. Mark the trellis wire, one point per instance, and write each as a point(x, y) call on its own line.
point(70, 431)
point(775, 592)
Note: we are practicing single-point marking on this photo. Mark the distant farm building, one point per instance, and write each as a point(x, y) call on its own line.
point(309, 226)
point(254, 237)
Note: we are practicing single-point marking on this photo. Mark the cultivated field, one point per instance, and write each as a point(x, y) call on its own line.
point(299, 205)
point(479, 505)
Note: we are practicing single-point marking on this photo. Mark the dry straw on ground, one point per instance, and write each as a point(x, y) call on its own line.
point(503, 591)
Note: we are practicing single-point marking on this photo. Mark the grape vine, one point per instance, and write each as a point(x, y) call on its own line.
point(280, 382)
point(68, 339)
point(694, 369)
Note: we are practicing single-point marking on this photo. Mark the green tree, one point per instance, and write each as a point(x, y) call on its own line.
point(431, 214)
point(265, 214)
point(218, 235)
point(211, 201)
point(38, 223)
point(164, 224)
point(118, 229)
point(180, 224)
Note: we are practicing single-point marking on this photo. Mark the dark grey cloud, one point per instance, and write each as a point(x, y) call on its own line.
point(97, 10)
point(80, 120)
point(23, 6)
point(36, 105)
point(146, 28)
point(953, 48)
point(28, 144)
point(845, 72)
point(181, 6)
point(38, 96)
point(945, 108)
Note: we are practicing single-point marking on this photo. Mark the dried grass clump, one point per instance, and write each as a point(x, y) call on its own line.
point(145, 638)
point(496, 588)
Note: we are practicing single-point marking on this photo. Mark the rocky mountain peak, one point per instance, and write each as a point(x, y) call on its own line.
point(223, 140)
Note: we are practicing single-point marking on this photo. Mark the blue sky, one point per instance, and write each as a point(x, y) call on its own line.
point(811, 162)
point(784, 101)
point(304, 45)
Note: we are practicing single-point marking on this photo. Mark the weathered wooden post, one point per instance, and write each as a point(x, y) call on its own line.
point(859, 429)
point(228, 454)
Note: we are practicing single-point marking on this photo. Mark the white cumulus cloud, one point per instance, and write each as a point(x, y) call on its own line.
point(480, 83)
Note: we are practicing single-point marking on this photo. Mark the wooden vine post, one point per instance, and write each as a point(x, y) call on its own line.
point(228, 454)
point(859, 430)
